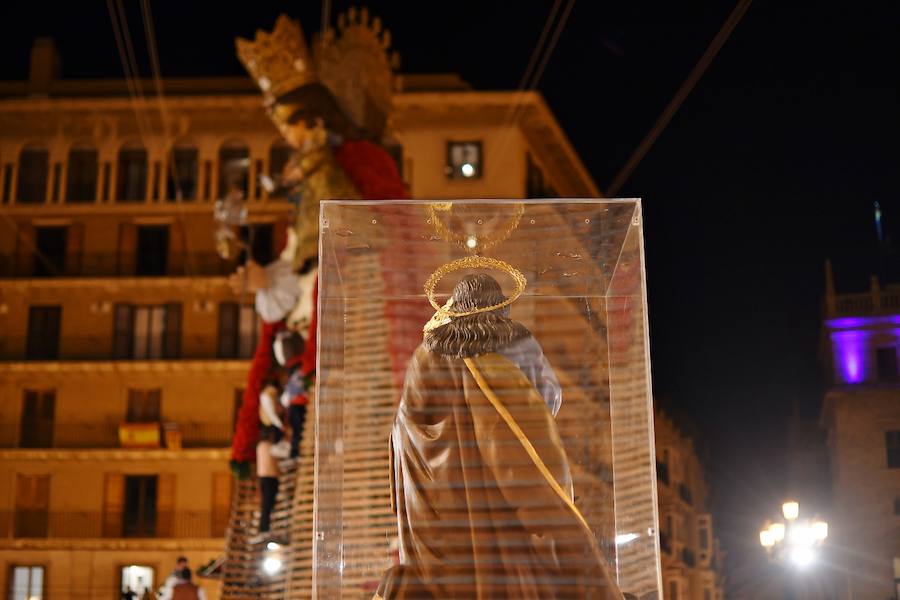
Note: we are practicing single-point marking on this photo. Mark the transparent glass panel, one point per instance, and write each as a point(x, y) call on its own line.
point(443, 467)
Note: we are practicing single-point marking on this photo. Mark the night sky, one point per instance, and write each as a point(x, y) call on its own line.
point(771, 165)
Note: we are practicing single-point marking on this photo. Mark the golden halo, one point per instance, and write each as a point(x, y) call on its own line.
point(471, 243)
point(473, 262)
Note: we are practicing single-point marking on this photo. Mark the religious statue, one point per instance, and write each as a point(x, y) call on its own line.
point(481, 484)
point(331, 102)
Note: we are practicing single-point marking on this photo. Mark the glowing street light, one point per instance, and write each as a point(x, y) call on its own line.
point(795, 541)
point(791, 510)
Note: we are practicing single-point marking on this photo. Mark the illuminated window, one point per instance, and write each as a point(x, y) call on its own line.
point(147, 332)
point(81, 175)
point(464, 160)
point(892, 442)
point(887, 363)
point(34, 167)
point(26, 583)
point(131, 181)
point(138, 579)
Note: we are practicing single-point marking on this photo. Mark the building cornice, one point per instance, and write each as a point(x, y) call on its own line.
point(260, 210)
point(112, 367)
point(201, 283)
point(114, 454)
point(136, 544)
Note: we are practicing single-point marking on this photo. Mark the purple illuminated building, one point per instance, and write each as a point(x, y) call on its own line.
point(861, 413)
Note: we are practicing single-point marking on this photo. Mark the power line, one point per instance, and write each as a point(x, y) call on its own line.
point(531, 77)
point(693, 77)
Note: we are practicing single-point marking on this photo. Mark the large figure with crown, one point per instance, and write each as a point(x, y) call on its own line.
point(331, 101)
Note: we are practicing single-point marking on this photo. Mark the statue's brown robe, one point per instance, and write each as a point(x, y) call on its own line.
point(482, 489)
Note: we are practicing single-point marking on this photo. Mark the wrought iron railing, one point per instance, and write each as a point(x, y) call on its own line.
point(43, 524)
point(105, 435)
point(184, 264)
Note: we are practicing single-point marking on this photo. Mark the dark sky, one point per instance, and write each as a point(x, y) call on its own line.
point(772, 164)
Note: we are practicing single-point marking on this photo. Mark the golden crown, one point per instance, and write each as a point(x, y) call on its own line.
point(353, 62)
point(279, 61)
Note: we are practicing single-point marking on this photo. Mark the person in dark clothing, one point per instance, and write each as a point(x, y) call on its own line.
point(288, 348)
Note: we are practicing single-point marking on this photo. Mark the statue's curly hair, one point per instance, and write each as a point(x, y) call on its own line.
point(480, 333)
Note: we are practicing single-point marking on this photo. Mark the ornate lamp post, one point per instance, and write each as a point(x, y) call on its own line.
point(793, 541)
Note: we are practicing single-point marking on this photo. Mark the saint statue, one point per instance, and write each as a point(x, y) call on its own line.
point(481, 485)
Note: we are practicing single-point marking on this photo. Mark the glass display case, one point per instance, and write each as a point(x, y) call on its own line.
point(484, 423)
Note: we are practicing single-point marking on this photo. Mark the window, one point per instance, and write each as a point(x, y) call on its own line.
point(32, 502)
point(26, 583)
point(183, 174)
point(464, 160)
point(139, 518)
point(138, 579)
point(131, 183)
point(36, 424)
point(43, 332)
point(897, 506)
point(50, 251)
point(238, 326)
point(234, 167)
point(887, 363)
point(144, 406)
point(279, 155)
point(152, 250)
point(260, 238)
point(32, 180)
point(147, 332)
point(892, 441)
point(81, 175)
point(707, 595)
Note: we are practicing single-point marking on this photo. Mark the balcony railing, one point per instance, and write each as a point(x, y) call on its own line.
point(117, 265)
point(875, 302)
point(38, 524)
point(87, 348)
point(71, 436)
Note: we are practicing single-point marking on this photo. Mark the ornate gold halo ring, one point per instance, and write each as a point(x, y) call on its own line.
point(474, 262)
point(471, 243)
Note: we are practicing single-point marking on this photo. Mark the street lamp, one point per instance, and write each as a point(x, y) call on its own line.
point(796, 540)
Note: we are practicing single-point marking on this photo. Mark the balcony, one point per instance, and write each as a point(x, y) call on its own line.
point(107, 436)
point(37, 524)
point(185, 264)
point(100, 348)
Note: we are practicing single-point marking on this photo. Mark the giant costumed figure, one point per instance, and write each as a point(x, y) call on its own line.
point(331, 102)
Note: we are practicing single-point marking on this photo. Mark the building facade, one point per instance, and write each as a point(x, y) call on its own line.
point(124, 350)
point(689, 551)
point(861, 413)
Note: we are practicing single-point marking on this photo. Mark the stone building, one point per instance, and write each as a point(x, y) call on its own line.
point(861, 413)
point(123, 351)
point(689, 550)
